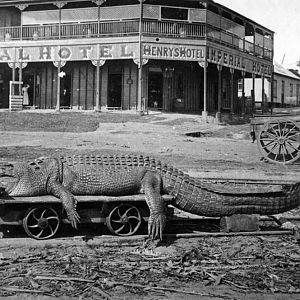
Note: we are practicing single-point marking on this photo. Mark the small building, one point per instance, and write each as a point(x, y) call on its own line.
point(286, 89)
point(171, 55)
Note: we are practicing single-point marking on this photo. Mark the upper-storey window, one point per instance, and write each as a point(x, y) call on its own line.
point(119, 2)
point(9, 16)
point(174, 13)
point(79, 4)
point(176, 3)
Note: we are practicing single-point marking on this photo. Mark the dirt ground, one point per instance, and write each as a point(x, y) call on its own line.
point(201, 268)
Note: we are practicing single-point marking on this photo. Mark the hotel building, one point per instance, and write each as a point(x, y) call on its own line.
point(170, 55)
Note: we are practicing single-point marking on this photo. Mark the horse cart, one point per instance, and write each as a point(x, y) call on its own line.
point(278, 135)
point(41, 216)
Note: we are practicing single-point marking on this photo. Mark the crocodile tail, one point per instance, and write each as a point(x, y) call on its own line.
point(191, 196)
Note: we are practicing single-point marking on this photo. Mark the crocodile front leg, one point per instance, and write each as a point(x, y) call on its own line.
point(68, 201)
point(151, 185)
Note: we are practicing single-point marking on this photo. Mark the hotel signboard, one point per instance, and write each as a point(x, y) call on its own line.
point(230, 58)
point(174, 52)
point(68, 53)
point(239, 61)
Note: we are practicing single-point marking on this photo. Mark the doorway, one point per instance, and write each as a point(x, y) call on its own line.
point(2, 94)
point(114, 90)
point(226, 94)
point(28, 78)
point(65, 90)
point(155, 90)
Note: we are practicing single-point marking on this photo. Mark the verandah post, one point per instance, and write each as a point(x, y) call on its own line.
point(218, 115)
point(204, 64)
point(58, 88)
point(243, 94)
point(232, 90)
point(59, 64)
point(253, 92)
point(98, 64)
point(98, 105)
point(263, 104)
point(140, 63)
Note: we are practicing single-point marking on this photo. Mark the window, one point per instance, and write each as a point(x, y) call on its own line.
point(173, 13)
point(291, 90)
point(298, 93)
point(282, 91)
point(240, 85)
point(275, 88)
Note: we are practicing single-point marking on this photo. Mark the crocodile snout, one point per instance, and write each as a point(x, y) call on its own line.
point(7, 183)
point(6, 169)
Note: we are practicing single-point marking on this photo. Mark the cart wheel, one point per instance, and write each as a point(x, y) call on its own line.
point(279, 141)
point(41, 222)
point(124, 220)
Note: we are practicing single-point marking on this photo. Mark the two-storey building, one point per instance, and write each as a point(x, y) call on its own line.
point(173, 55)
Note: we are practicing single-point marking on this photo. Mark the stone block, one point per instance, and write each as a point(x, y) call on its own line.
point(239, 223)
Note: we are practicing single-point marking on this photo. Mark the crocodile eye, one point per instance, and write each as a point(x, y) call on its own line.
point(35, 165)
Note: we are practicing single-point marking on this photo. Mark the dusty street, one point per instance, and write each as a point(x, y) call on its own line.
point(203, 268)
point(221, 150)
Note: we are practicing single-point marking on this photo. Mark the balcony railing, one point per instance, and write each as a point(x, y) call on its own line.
point(181, 30)
point(69, 30)
point(236, 42)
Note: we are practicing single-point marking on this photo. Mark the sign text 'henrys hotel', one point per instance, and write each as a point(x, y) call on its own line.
point(131, 51)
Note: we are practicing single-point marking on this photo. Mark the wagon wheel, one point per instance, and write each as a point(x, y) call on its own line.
point(124, 220)
point(279, 141)
point(41, 222)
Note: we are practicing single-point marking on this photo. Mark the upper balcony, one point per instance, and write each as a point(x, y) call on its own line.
point(157, 21)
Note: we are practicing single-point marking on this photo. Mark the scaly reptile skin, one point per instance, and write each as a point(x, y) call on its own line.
point(66, 176)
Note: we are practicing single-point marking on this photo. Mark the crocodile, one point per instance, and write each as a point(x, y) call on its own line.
point(69, 175)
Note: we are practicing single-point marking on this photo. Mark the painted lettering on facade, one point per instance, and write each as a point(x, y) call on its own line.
point(225, 59)
point(173, 52)
point(236, 61)
point(4, 55)
point(261, 69)
point(55, 53)
point(230, 58)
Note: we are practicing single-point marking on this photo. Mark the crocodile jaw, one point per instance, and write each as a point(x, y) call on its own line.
point(8, 180)
point(7, 184)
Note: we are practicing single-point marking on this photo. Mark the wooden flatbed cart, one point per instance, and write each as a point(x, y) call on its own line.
point(278, 135)
point(41, 216)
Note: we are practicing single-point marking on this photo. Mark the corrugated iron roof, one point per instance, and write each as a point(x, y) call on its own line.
point(279, 69)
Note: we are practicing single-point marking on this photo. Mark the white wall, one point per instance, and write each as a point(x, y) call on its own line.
point(288, 99)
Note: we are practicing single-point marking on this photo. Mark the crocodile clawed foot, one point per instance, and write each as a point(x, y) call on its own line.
point(74, 219)
point(156, 225)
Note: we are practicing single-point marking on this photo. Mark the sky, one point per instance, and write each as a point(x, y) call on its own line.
point(280, 16)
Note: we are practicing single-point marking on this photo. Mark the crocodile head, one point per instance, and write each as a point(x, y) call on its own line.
point(10, 175)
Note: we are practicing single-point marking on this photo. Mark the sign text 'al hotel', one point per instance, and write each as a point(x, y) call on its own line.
point(235, 59)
